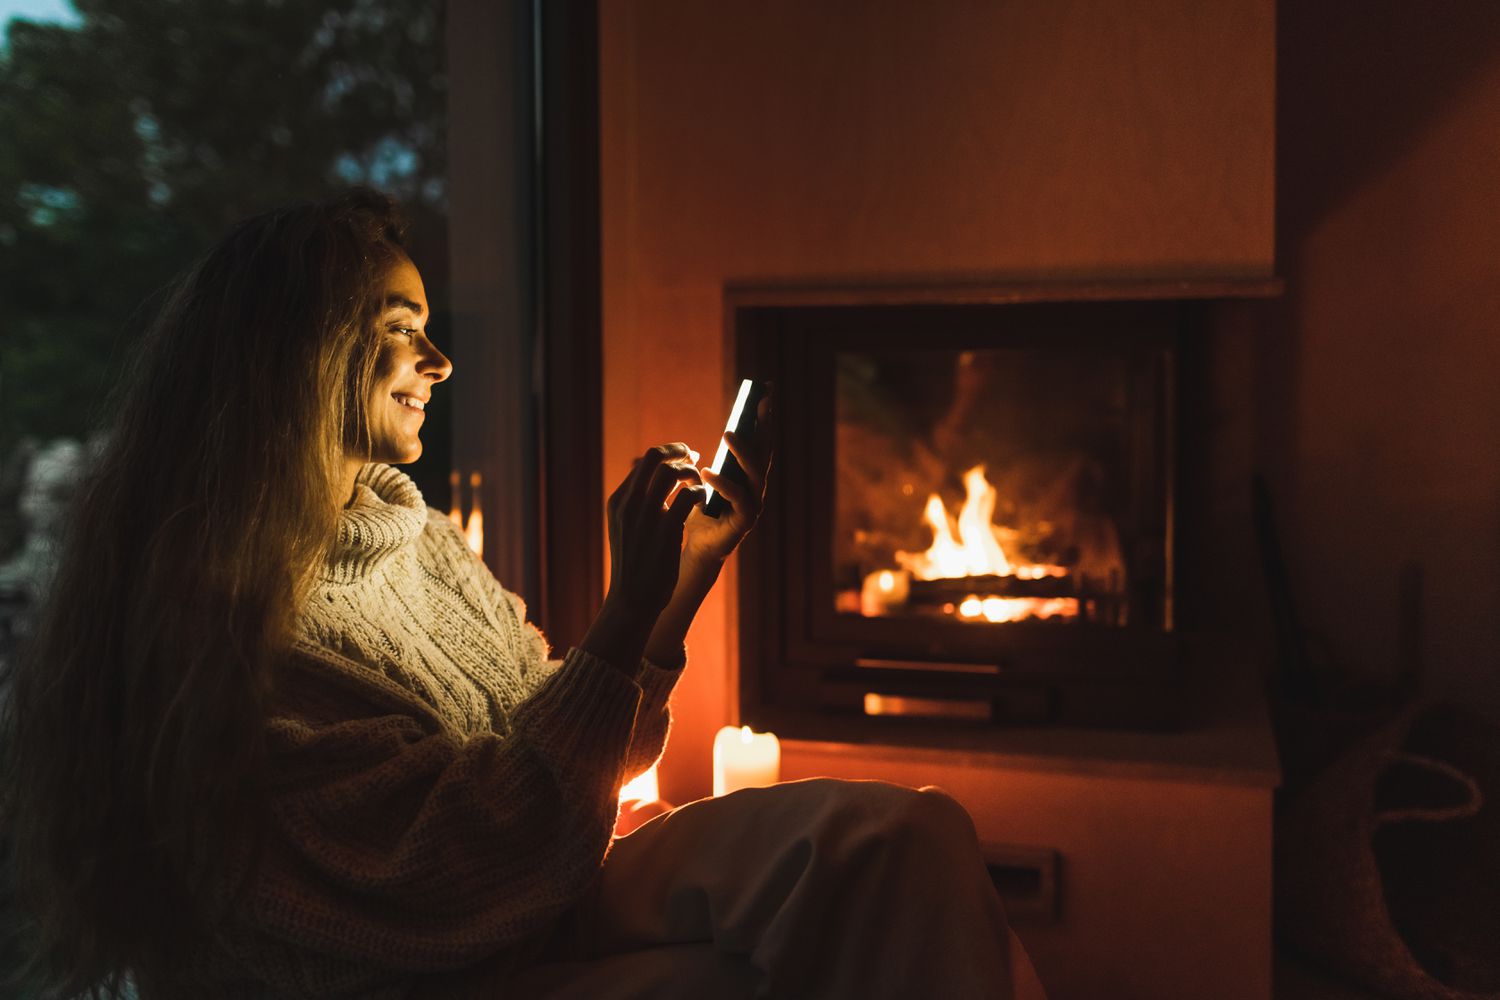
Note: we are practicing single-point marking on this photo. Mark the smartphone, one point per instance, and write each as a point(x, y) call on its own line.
point(743, 420)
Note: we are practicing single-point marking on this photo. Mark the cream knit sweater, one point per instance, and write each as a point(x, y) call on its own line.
point(441, 790)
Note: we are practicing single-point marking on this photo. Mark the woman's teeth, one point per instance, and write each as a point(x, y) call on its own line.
point(414, 403)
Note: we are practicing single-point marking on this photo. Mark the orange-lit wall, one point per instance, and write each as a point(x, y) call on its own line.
point(862, 140)
point(1378, 389)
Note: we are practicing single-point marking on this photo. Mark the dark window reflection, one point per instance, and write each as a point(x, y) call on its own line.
point(132, 134)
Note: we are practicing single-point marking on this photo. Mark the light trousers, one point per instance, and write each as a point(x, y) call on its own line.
point(821, 889)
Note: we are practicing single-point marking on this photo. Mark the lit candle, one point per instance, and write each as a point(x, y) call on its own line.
point(474, 530)
point(883, 590)
point(640, 802)
point(454, 513)
point(743, 759)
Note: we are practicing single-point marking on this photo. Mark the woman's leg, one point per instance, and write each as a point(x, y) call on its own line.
point(671, 972)
point(828, 888)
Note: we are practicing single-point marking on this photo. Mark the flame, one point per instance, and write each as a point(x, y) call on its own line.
point(454, 514)
point(473, 530)
point(1014, 609)
point(969, 546)
point(976, 551)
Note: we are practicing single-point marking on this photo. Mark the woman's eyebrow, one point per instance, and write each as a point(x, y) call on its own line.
point(402, 302)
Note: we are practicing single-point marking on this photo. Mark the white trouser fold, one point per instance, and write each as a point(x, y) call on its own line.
point(809, 889)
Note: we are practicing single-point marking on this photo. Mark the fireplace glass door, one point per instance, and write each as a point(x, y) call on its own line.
point(971, 511)
point(985, 486)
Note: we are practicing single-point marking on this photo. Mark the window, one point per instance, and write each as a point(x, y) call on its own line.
point(131, 136)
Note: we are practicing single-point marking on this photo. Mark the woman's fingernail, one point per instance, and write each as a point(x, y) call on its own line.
point(694, 456)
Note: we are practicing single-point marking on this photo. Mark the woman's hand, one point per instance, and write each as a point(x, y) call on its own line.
point(646, 534)
point(711, 539)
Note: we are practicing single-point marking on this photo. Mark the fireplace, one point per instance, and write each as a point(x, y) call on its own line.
point(972, 518)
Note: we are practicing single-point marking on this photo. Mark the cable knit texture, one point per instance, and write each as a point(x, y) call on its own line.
point(441, 790)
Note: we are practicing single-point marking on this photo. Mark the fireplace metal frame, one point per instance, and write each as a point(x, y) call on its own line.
point(804, 670)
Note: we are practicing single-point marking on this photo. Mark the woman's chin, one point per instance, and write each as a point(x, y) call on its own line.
point(403, 454)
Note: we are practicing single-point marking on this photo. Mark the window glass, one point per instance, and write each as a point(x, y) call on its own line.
point(133, 133)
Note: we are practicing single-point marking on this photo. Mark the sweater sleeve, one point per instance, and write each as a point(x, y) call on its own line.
point(400, 847)
point(653, 721)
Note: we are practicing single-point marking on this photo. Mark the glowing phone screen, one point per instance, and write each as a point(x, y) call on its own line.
point(734, 420)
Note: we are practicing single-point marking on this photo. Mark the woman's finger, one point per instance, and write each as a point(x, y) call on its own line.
point(643, 473)
point(674, 451)
point(750, 459)
point(689, 478)
point(687, 498)
point(741, 498)
point(665, 479)
point(765, 433)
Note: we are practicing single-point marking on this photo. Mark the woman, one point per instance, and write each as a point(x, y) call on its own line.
point(281, 734)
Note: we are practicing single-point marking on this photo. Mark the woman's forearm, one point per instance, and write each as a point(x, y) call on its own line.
point(618, 636)
point(665, 645)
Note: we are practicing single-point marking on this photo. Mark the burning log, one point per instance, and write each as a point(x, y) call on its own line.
point(954, 590)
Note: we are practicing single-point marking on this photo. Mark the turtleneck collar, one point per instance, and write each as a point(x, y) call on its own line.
point(387, 513)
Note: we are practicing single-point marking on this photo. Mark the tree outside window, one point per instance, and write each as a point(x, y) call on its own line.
point(133, 133)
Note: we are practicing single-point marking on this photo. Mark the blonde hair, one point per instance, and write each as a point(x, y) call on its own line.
point(133, 727)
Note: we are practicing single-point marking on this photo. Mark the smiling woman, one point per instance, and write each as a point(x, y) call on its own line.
point(282, 733)
point(280, 730)
point(197, 539)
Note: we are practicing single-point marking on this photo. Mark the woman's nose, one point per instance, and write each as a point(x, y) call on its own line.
point(434, 364)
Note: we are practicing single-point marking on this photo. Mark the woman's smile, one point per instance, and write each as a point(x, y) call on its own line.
point(409, 402)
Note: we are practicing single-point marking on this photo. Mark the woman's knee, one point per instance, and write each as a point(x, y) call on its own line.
point(897, 812)
point(932, 815)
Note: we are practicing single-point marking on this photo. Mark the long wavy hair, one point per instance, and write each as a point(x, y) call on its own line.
point(133, 721)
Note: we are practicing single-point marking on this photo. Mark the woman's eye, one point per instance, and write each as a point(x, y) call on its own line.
point(409, 332)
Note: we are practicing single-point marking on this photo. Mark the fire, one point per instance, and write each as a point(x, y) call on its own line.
point(473, 531)
point(963, 548)
point(1014, 609)
point(977, 550)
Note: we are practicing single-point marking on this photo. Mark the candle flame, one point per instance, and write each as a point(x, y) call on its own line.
point(642, 788)
point(473, 529)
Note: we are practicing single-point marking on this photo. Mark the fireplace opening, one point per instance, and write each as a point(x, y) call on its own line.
point(985, 485)
point(971, 521)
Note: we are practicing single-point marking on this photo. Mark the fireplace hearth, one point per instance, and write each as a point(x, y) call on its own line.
point(973, 516)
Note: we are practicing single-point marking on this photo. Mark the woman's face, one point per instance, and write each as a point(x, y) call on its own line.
point(408, 367)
